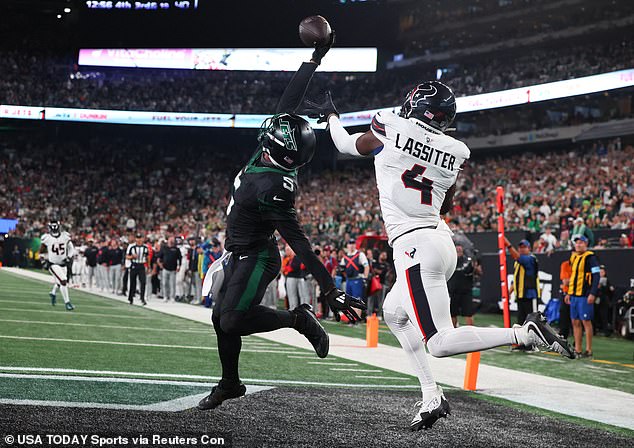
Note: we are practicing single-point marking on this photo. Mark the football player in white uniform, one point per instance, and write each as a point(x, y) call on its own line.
point(59, 252)
point(417, 165)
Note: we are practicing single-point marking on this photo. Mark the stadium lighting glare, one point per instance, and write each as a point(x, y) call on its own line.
point(66, 10)
point(59, 16)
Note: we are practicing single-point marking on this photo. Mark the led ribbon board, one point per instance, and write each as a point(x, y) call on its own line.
point(236, 59)
point(504, 98)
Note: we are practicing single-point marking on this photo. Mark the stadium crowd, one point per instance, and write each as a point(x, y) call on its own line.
point(106, 189)
point(430, 27)
point(550, 190)
point(51, 79)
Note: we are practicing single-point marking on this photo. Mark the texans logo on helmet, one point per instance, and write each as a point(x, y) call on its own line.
point(428, 91)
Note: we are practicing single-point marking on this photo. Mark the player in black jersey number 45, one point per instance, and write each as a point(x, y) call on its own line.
point(263, 201)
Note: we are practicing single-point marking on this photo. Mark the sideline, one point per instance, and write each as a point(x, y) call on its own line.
point(566, 397)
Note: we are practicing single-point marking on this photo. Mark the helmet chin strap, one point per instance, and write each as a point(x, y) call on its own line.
point(270, 160)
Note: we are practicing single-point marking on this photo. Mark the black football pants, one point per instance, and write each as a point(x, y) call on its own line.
point(137, 270)
point(237, 311)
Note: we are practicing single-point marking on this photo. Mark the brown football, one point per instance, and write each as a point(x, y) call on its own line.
point(314, 30)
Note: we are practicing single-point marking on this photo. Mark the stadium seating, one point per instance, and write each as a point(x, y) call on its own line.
point(97, 188)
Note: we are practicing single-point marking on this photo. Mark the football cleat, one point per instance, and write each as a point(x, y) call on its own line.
point(53, 298)
point(219, 394)
point(69, 307)
point(313, 330)
point(540, 333)
point(430, 411)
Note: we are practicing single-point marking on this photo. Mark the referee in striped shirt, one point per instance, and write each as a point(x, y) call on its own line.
point(139, 255)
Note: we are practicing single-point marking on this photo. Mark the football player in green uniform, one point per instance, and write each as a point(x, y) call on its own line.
point(263, 201)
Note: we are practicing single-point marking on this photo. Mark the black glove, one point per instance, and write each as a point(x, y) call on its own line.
point(321, 50)
point(340, 302)
point(322, 110)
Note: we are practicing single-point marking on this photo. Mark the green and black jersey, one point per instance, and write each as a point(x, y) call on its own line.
point(260, 197)
point(263, 201)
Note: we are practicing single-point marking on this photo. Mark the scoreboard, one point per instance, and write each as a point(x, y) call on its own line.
point(129, 5)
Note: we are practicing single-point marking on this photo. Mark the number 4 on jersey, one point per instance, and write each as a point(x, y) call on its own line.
point(414, 179)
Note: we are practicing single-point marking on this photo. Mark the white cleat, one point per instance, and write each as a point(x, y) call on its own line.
point(430, 410)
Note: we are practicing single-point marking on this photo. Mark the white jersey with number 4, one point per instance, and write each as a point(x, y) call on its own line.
point(414, 170)
point(59, 248)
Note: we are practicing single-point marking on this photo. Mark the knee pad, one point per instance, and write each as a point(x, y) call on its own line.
point(231, 322)
point(395, 321)
point(63, 282)
point(435, 346)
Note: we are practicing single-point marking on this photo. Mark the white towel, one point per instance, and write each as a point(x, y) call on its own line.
point(215, 276)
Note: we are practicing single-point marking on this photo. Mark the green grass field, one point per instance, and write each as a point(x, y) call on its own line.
point(612, 366)
point(107, 338)
point(107, 353)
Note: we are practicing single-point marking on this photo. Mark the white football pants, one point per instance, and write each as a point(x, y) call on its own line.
point(417, 307)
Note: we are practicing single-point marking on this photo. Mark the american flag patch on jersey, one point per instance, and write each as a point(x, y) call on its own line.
point(429, 115)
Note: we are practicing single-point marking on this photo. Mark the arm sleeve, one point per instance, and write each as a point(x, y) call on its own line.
point(344, 142)
point(294, 93)
point(595, 272)
point(293, 234)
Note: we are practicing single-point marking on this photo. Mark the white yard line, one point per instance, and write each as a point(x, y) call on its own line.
point(139, 344)
point(69, 313)
point(382, 377)
point(543, 358)
point(334, 363)
point(355, 370)
point(175, 405)
point(104, 379)
point(119, 327)
point(60, 302)
point(604, 369)
point(183, 383)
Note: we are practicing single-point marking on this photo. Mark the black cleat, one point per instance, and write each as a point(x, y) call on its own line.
point(430, 412)
point(219, 394)
point(540, 333)
point(313, 330)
